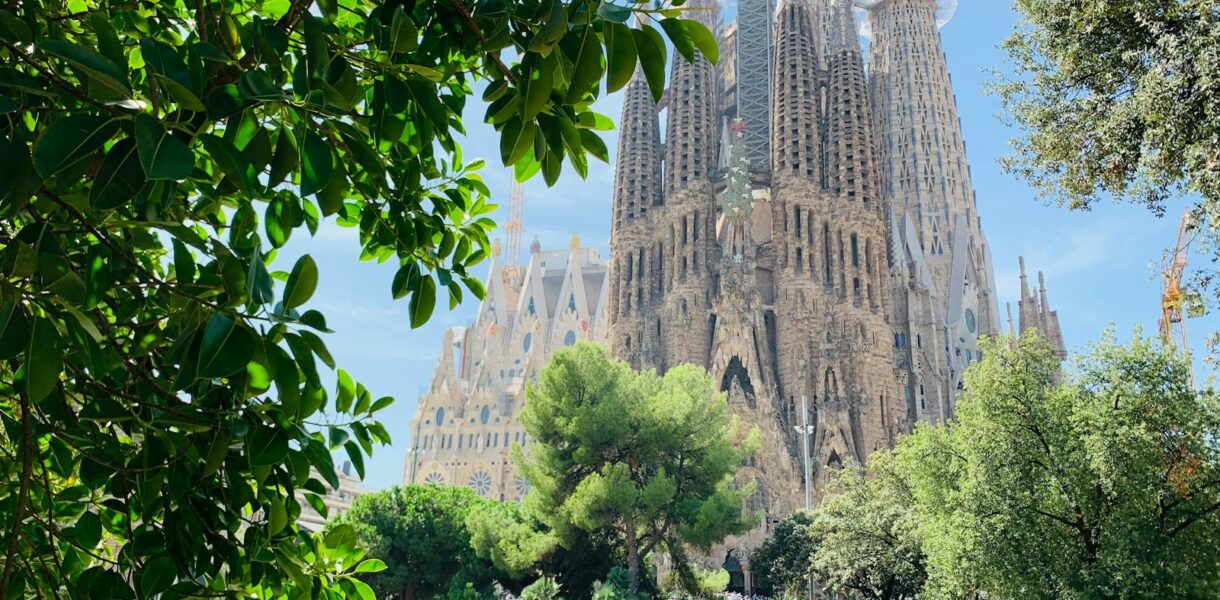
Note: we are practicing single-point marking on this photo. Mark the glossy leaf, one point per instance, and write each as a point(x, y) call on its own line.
point(119, 178)
point(225, 347)
point(69, 140)
point(44, 361)
point(423, 301)
point(653, 56)
point(620, 55)
point(162, 155)
point(301, 283)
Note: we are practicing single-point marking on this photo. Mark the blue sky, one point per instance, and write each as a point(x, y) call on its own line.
point(1100, 266)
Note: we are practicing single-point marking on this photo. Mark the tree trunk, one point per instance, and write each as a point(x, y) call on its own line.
point(633, 558)
point(408, 593)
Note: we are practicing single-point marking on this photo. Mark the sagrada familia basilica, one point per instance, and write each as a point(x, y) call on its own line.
point(806, 229)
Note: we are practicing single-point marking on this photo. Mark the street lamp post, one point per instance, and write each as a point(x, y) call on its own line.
point(413, 456)
point(805, 429)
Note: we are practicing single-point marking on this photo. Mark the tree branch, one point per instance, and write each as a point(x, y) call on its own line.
point(58, 81)
point(474, 28)
point(23, 493)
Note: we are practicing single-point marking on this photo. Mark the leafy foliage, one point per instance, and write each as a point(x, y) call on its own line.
point(784, 561)
point(865, 530)
point(1105, 487)
point(543, 589)
point(647, 457)
point(1116, 98)
point(511, 540)
point(420, 532)
point(162, 400)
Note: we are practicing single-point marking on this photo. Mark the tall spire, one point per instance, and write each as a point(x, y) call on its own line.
point(843, 18)
point(637, 173)
point(922, 153)
point(737, 202)
point(1036, 314)
point(690, 139)
point(852, 172)
point(796, 145)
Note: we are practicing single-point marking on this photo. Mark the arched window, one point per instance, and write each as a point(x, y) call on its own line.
point(569, 338)
point(572, 303)
point(440, 416)
point(971, 324)
point(529, 341)
point(530, 307)
point(485, 415)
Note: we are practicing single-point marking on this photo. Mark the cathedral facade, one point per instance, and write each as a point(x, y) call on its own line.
point(467, 422)
point(806, 230)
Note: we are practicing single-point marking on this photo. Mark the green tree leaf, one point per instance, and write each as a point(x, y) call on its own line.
point(44, 360)
point(277, 516)
point(680, 36)
point(585, 51)
point(301, 282)
point(225, 347)
point(370, 565)
point(595, 145)
point(285, 159)
point(317, 162)
point(266, 446)
point(620, 55)
point(157, 576)
point(162, 155)
point(233, 163)
point(119, 178)
point(15, 329)
point(703, 39)
point(69, 140)
point(653, 56)
point(423, 301)
point(105, 78)
point(404, 37)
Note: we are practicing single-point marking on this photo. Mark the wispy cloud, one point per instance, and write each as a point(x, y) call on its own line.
point(1061, 254)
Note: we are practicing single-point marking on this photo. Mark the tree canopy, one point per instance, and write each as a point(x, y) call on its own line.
point(1099, 482)
point(784, 562)
point(1107, 486)
point(865, 530)
point(162, 398)
point(420, 532)
point(1116, 98)
point(651, 458)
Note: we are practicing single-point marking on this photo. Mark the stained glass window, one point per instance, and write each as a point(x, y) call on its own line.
point(480, 482)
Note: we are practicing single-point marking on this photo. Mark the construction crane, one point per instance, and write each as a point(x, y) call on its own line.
point(1175, 299)
point(513, 228)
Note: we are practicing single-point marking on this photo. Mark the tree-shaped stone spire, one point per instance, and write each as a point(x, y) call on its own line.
point(737, 203)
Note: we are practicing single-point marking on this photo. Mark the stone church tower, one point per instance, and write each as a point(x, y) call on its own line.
point(804, 229)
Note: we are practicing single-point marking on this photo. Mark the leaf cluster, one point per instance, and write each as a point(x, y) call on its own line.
point(421, 532)
point(162, 404)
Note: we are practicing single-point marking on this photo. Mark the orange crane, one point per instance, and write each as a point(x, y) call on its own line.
point(1173, 297)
